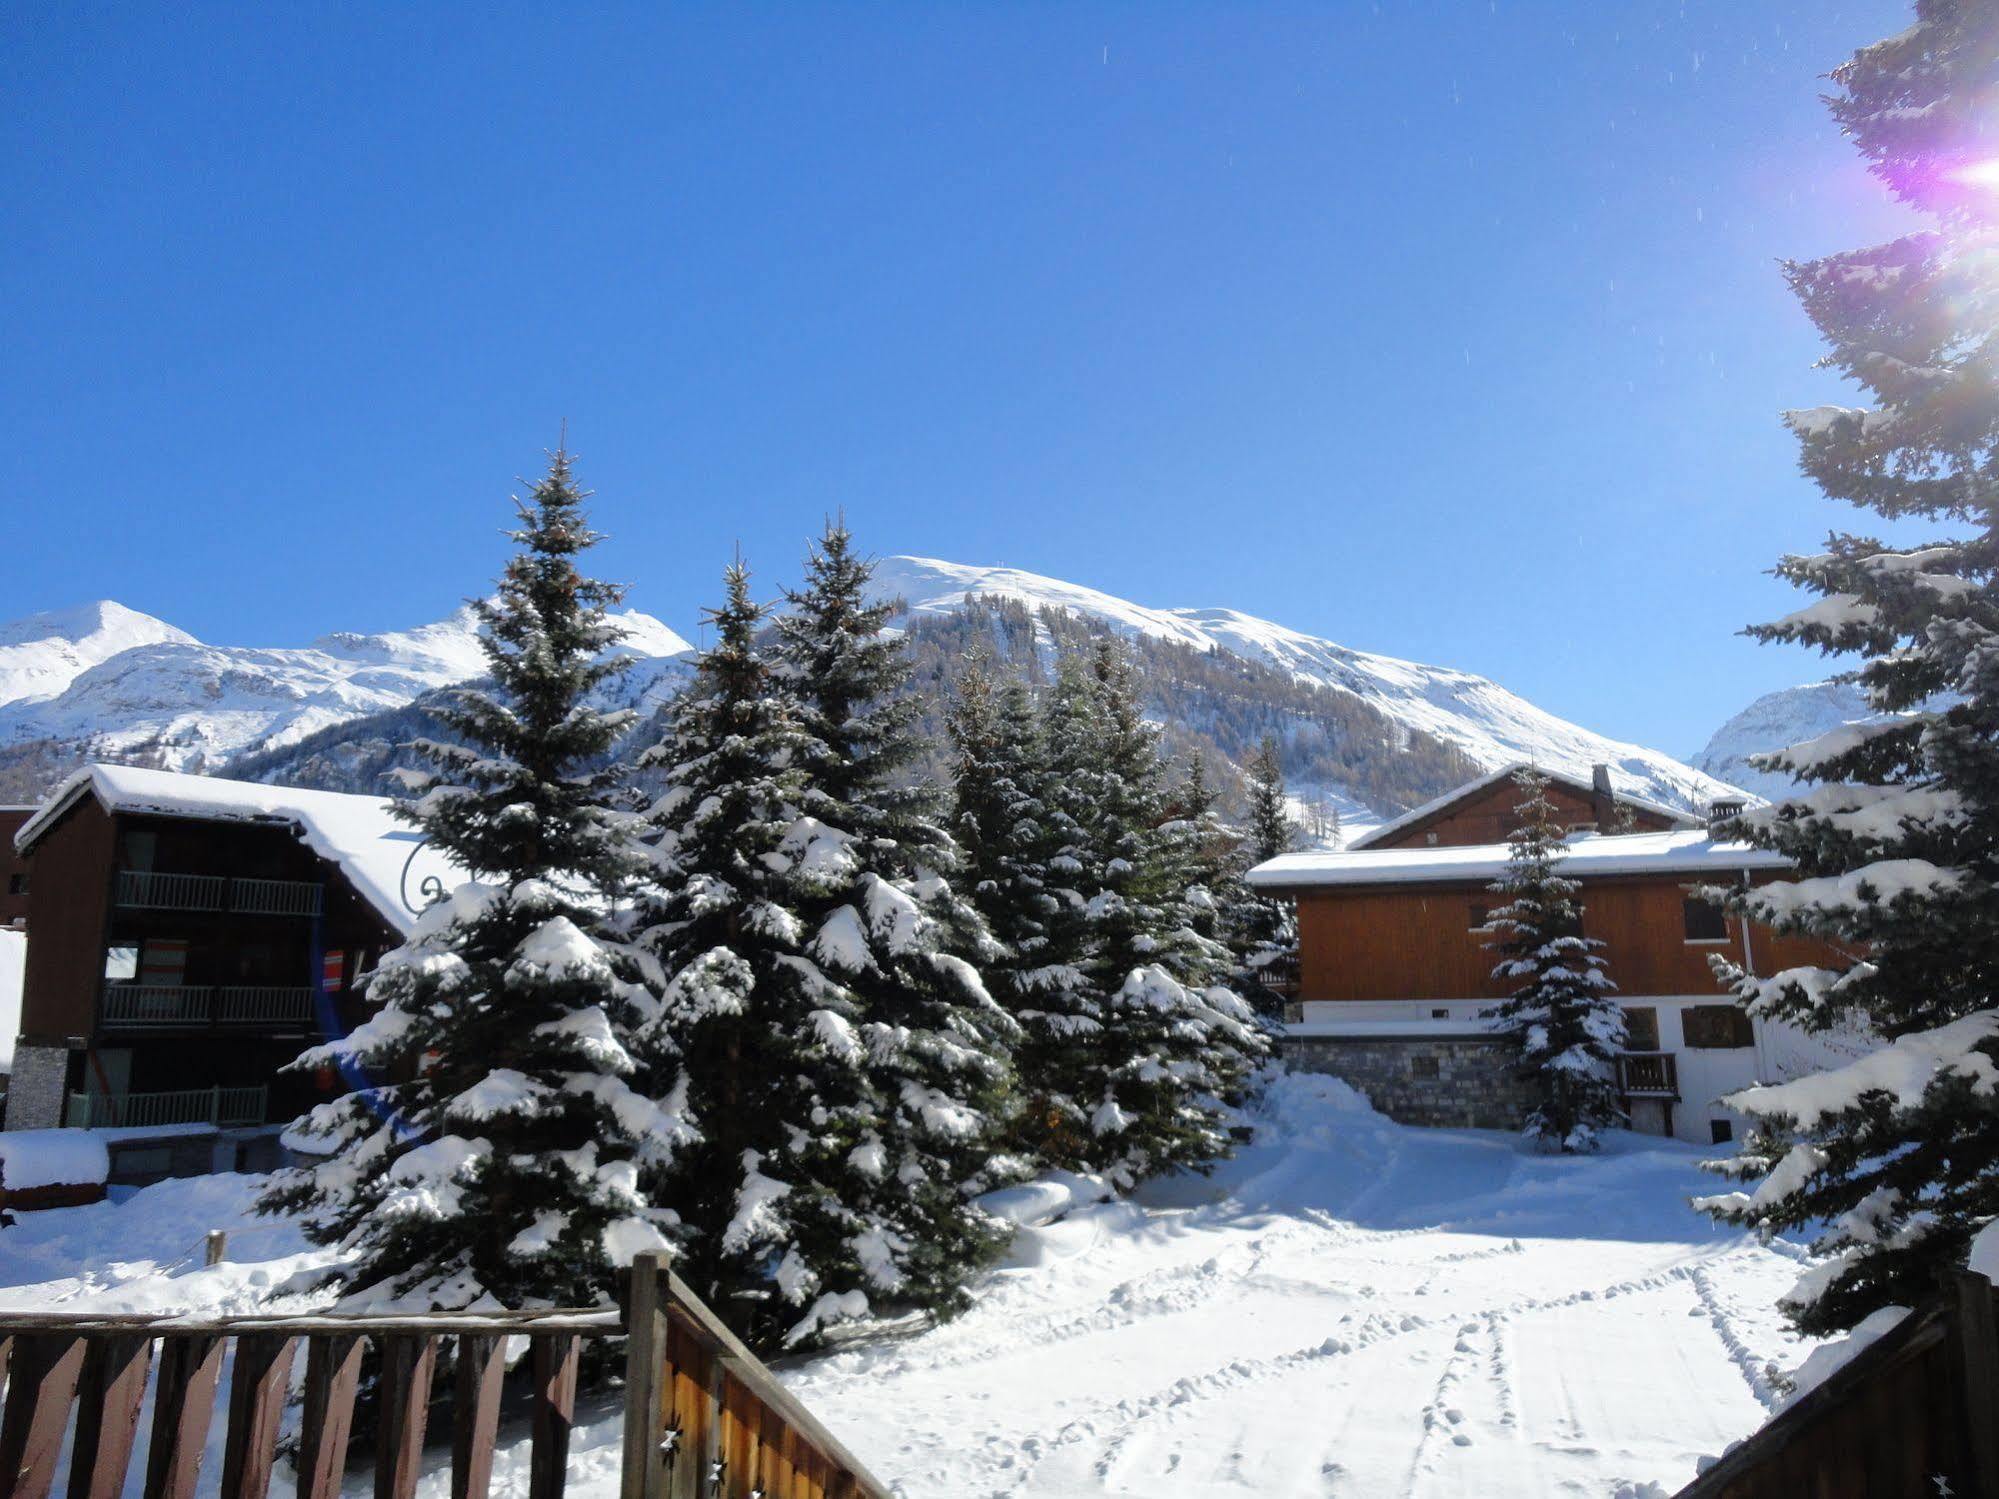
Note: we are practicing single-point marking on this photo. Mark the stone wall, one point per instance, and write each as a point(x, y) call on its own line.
point(1460, 1082)
point(34, 1092)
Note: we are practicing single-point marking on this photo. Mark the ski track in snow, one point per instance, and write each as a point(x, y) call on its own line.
point(1348, 1309)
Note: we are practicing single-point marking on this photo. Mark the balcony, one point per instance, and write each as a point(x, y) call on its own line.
point(1648, 1074)
point(155, 1007)
point(149, 890)
point(146, 890)
point(218, 1106)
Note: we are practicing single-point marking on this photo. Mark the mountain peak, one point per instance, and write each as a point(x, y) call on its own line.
point(41, 654)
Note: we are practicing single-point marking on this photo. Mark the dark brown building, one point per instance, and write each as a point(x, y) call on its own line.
point(192, 936)
point(13, 868)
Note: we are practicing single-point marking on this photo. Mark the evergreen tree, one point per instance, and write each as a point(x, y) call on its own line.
point(998, 819)
point(1896, 839)
point(738, 1039)
point(1561, 1018)
point(1142, 1041)
point(1263, 929)
point(916, 1079)
point(496, 1157)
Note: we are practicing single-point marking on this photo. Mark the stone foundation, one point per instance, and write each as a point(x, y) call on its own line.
point(34, 1092)
point(1458, 1082)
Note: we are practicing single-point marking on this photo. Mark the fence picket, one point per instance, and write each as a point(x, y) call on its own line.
point(482, 1369)
point(259, 1380)
point(183, 1405)
point(553, 1358)
point(408, 1363)
point(107, 1415)
point(332, 1375)
point(41, 1385)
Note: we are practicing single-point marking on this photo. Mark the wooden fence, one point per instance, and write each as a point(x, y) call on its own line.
point(703, 1418)
point(1915, 1413)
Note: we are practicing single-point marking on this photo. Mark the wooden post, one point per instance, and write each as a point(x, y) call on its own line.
point(408, 1362)
point(107, 1414)
point(644, 1475)
point(183, 1403)
point(42, 1383)
point(482, 1370)
point(1978, 1344)
point(332, 1374)
point(215, 1247)
point(259, 1381)
point(553, 1355)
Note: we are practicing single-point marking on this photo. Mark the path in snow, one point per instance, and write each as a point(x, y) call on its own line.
point(1349, 1308)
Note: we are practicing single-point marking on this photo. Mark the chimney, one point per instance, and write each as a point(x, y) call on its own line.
point(1725, 809)
point(1602, 800)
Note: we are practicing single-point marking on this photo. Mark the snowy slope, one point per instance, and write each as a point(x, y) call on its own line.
point(1775, 721)
point(1489, 724)
point(199, 704)
point(1350, 1308)
point(42, 654)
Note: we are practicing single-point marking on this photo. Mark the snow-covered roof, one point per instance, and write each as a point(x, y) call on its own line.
point(1683, 851)
point(1506, 772)
point(381, 855)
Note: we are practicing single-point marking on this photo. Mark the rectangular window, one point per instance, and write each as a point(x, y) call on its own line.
point(1703, 920)
point(121, 962)
point(1716, 1027)
point(1420, 1066)
point(1440, 1014)
point(1720, 1131)
point(17, 884)
point(1641, 1028)
point(1479, 915)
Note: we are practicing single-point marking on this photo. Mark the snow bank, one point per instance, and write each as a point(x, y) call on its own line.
point(1042, 1201)
point(52, 1158)
point(13, 967)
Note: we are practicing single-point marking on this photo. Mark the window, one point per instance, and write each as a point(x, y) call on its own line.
point(1641, 1028)
point(1479, 915)
point(1716, 1027)
point(17, 884)
point(1440, 1014)
point(1704, 920)
point(121, 962)
point(1420, 1066)
point(1720, 1131)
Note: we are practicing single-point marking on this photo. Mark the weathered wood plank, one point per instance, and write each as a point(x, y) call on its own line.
point(482, 1372)
point(259, 1381)
point(553, 1357)
point(408, 1365)
point(107, 1414)
point(183, 1405)
point(326, 1423)
point(41, 1385)
point(648, 1382)
point(1978, 1354)
point(688, 1408)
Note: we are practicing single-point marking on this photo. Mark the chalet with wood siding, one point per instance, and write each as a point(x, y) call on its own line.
point(13, 868)
point(1395, 971)
point(188, 938)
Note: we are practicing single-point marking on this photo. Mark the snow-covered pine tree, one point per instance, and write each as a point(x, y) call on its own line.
point(1897, 840)
point(914, 1085)
point(998, 779)
point(736, 1040)
point(1263, 929)
point(495, 1155)
point(1174, 1043)
point(1561, 1017)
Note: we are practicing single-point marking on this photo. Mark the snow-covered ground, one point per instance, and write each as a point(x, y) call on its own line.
point(1349, 1308)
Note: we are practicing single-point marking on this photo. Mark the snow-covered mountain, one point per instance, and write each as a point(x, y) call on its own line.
point(117, 681)
point(43, 653)
point(1774, 721)
point(1487, 723)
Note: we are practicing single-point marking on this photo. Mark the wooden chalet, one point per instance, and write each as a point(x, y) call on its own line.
point(13, 868)
point(189, 937)
point(1395, 967)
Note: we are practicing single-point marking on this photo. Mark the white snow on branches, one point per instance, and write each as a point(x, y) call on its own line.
point(1904, 1070)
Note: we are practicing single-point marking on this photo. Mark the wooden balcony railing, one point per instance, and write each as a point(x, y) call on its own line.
point(1648, 1074)
point(147, 890)
point(263, 1004)
point(218, 1106)
point(157, 1006)
point(703, 1418)
point(276, 897)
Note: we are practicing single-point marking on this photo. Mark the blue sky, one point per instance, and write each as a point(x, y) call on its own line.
point(1453, 331)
